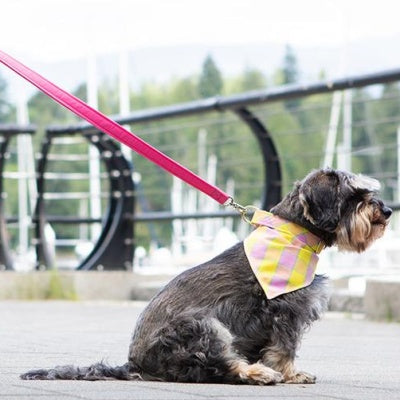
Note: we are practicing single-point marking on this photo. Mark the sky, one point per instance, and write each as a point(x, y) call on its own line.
point(54, 30)
point(47, 34)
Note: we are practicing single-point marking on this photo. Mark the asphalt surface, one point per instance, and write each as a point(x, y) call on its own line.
point(352, 358)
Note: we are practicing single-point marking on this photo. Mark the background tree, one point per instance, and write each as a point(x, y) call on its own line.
point(5, 106)
point(210, 82)
point(384, 117)
point(253, 79)
point(249, 79)
point(298, 128)
point(290, 75)
point(290, 68)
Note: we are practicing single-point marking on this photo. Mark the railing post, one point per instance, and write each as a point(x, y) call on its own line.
point(6, 132)
point(272, 169)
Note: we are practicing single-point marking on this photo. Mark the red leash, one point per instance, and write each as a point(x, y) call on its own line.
point(118, 132)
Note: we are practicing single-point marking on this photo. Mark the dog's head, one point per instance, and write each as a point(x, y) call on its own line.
point(344, 207)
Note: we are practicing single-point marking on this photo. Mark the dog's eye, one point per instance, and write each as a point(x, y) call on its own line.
point(379, 204)
point(376, 202)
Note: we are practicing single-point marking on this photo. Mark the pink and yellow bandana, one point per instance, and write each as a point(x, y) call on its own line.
point(282, 254)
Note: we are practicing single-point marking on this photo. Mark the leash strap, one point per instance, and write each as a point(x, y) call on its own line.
point(115, 130)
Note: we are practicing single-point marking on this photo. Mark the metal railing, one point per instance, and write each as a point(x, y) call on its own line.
point(260, 140)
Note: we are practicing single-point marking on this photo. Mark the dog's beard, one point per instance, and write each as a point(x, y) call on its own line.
point(361, 229)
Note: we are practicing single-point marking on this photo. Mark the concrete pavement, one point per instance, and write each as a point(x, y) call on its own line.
point(352, 358)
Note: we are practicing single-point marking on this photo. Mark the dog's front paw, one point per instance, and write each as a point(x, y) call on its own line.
point(259, 374)
point(301, 377)
point(255, 374)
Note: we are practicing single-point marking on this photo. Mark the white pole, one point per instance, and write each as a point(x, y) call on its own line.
point(202, 152)
point(212, 225)
point(230, 188)
point(177, 224)
point(94, 159)
point(347, 129)
point(32, 188)
point(332, 130)
point(124, 101)
point(22, 154)
point(398, 173)
point(202, 170)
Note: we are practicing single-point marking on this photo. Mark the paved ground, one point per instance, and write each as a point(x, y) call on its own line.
point(353, 358)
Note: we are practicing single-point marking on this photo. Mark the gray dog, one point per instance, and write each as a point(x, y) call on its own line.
point(219, 322)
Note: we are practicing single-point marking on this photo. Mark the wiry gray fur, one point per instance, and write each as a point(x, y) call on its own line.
point(176, 338)
point(216, 314)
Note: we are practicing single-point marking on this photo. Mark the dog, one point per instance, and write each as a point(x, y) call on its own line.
point(215, 323)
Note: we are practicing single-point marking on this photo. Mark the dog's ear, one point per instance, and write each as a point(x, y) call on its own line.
point(319, 196)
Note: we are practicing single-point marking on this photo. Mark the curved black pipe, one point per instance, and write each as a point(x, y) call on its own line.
point(114, 247)
point(272, 168)
point(44, 255)
point(6, 132)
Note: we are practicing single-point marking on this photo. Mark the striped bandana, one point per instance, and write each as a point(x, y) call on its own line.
point(282, 254)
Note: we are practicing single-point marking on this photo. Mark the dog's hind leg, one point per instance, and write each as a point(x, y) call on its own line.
point(240, 371)
point(197, 348)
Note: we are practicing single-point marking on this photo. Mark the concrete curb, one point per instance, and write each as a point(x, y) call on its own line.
point(344, 300)
point(80, 285)
point(380, 302)
point(382, 299)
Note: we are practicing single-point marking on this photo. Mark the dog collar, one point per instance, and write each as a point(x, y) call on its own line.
point(282, 254)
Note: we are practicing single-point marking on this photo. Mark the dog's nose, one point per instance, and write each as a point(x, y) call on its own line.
point(387, 212)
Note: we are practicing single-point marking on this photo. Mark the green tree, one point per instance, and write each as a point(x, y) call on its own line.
point(364, 138)
point(81, 92)
point(45, 111)
point(184, 89)
point(249, 79)
point(210, 82)
point(384, 114)
point(253, 79)
point(290, 68)
point(290, 75)
point(5, 107)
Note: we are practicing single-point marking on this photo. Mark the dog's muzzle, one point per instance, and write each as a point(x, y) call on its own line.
point(387, 212)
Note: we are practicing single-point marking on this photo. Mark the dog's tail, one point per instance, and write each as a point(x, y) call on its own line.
point(95, 372)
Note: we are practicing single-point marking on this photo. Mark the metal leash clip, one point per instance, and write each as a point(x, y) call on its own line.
point(242, 210)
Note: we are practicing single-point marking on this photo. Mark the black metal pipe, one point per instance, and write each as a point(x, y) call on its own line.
point(14, 129)
point(239, 100)
point(153, 216)
point(144, 217)
point(271, 161)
